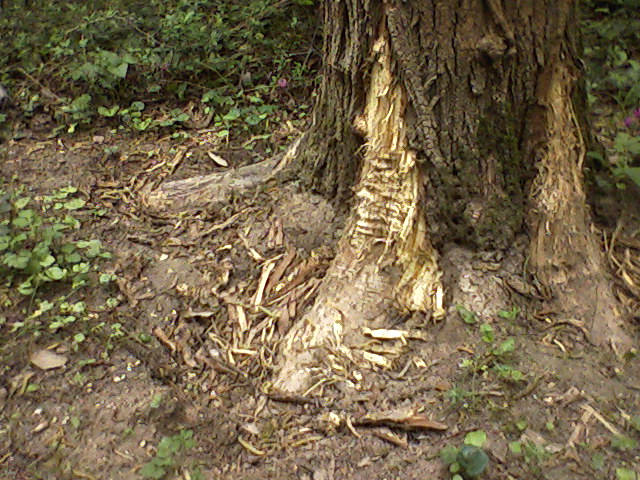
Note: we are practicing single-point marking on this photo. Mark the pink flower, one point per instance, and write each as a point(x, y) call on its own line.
point(282, 83)
point(629, 121)
point(636, 113)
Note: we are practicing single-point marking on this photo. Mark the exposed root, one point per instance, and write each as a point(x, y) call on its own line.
point(384, 259)
point(216, 188)
point(564, 253)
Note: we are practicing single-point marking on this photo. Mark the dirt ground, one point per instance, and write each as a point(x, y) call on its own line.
point(197, 353)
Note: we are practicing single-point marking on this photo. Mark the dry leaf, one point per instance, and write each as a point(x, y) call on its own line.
point(218, 159)
point(47, 360)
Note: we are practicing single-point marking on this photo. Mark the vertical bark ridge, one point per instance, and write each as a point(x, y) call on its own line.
point(328, 162)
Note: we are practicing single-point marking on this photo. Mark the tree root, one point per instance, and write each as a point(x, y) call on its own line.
point(216, 188)
point(384, 258)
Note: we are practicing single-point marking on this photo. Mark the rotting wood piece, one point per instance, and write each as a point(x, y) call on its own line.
point(216, 188)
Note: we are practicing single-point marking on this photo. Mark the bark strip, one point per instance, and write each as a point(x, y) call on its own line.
point(385, 259)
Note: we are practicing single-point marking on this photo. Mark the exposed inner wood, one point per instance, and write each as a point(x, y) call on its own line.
point(564, 253)
point(384, 258)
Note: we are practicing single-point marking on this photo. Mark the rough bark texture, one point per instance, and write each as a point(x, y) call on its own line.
point(485, 145)
point(328, 159)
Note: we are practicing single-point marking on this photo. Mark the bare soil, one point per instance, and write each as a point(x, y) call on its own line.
point(189, 282)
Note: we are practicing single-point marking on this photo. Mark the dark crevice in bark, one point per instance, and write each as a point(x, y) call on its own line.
point(328, 162)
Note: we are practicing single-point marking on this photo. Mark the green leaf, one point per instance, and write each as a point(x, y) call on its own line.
point(473, 460)
point(80, 103)
point(156, 401)
point(448, 454)
point(487, 333)
point(43, 306)
point(47, 261)
point(625, 474)
point(120, 71)
point(467, 315)
point(635, 422)
point(73, 257)
point(623, 443)
point(597, 461)
point(21, 222)
point(232, 115)
point(108, 112)
point(510, 314)
point(17, 261)
point(25, 288)
point(74, 204)
point(633, 173)
point(475, 439)
point(112, 302)
point(505, 347)
point(252, 120)
point(105, 278)
point(21, 202)
point(55, 273)
point(78, 307)
point(151, 470)
point(625, 143)
point(515, 447)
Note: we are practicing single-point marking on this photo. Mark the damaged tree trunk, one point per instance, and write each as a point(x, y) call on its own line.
point(458, 123)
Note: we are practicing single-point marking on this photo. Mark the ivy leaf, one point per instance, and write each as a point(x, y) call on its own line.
point(473, 460)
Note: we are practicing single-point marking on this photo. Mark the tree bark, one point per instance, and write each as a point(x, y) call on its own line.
point(460, 121)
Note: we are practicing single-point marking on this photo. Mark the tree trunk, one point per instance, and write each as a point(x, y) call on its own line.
point(458, 121)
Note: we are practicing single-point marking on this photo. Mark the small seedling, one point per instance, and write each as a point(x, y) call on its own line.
point(169, 455)
point(467, 316)
point(468, 461)
point(510, 314)
point(38, 248)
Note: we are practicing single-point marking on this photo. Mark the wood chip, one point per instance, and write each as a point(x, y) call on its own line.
point(158, 332)
point(389, 436)
point(218, 159)
point(405, 419)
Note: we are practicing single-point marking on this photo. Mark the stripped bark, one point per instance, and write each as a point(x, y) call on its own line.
point(470, 136)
